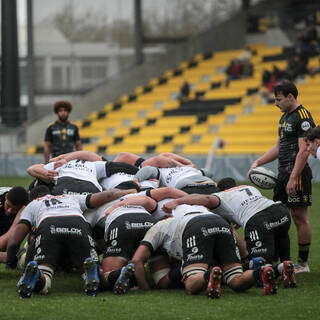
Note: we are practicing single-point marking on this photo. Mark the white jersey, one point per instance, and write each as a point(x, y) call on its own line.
point(240, 203)
point(170, 177)
point(3, 190)
point(90, 171)
point(96, 217)
point(167, 234)
point(111, 182)
point(318, 153)
point(54, 206)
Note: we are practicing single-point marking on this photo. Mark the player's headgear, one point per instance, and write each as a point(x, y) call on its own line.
point(62, 104)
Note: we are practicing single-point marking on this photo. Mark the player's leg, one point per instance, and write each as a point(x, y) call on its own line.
point(301, 221)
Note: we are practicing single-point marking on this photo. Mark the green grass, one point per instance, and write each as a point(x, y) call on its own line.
point(68, 300)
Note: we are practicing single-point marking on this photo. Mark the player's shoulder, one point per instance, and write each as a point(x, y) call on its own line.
point(303, 114)
point(51, 124)
point(72, 125)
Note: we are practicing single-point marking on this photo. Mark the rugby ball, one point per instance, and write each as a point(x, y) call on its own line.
point(262, 177)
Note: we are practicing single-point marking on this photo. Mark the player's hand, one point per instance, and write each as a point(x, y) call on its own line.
point(57, 158)
point(169, 206)
point(116, 205)
point(50, 174)
point(253, 166)
point(59, 163)
point(291, 187)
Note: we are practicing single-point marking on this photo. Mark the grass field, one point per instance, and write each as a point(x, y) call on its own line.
point(68, 300)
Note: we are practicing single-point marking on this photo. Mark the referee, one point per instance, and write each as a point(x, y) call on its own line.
point(294, 174)
point(61, 136)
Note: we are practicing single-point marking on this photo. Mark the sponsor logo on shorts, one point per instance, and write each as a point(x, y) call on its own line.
point(94, 255)
point(215, 230)
point(38, 239)
point(294, 199)
point(258, 249)
point(65, 230)
point(39, 256)
point(276, 224)
point(138, 225)
point(113, 250)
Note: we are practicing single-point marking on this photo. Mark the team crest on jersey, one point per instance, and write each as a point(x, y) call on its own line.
point(305, 125)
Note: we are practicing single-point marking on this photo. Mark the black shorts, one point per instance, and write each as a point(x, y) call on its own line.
point(125, 233)
point(64, 237)
point(67, 185)
point(266, 233)
point(303, 189)
point(208, 239)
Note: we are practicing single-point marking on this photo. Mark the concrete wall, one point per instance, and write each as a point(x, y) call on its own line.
point(228, 35)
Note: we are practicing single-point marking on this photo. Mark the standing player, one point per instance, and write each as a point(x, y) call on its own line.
point(294, 174)
point(61, 136)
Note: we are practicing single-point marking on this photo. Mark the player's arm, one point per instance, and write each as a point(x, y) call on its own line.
point(267, 157)
point(78, 155)
point(300, 162)
point(46, 151)
point(100, 198)
point(4, 238)
point(165, 193)
point(209, 201)
point(161, 162)
point(38, 171)
point(20, 232)
point(149, 204)
point(141, 256)
point(127, 157)
point(183, 161)
point(147, 172)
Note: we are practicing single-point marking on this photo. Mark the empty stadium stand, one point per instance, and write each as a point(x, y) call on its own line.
point(152, 119)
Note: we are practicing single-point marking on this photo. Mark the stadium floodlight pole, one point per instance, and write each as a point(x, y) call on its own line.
point(30, 59)
point(10, 91)
point(138, 32)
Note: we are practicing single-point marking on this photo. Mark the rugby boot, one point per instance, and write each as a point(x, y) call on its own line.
point(301, 267)
point(214, 284)
point(91, 281)
point(122, 285)
point(269, 281)
point(28, 280)
point(289, 280)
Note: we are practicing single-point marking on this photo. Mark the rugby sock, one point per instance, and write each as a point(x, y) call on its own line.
point(303, 252)
point(175, 277)
point(245, 263)
point(206, 275)
point(113, 276)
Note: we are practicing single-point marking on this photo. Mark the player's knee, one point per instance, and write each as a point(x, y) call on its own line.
point(233, 278)
point(161, 278)
point(193, 279)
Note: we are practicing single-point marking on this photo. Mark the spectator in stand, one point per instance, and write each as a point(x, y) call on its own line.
point(184, 91)
point(296, 68)
point(234, 70)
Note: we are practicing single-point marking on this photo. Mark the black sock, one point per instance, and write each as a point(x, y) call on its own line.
point(303, 252)
point(257, 275)
point(175, 277)
point(113, 276)
point(206, 275)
